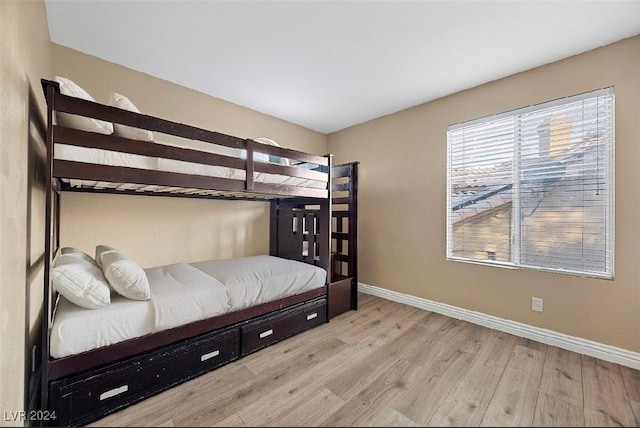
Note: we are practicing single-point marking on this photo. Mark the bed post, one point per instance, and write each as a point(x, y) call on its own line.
point(50, 88)
point(273, 227)
point(327, 218)
point(249, 146)
point(353, 232)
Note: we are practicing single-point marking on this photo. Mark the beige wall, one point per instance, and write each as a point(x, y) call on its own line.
point(403, 177)
point(25, 57)
point(162, 230)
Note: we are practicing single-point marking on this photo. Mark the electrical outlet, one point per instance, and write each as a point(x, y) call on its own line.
point(536, 304)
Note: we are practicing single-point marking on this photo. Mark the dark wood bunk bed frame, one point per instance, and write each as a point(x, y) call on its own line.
point(84, 387)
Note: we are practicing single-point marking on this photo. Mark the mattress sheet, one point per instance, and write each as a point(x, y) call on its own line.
point(122, 319)
point(171, 165)
point(254, 280)
point(105, 157)
point(181, 294)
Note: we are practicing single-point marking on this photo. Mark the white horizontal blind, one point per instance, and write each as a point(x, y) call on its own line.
point(533, 187)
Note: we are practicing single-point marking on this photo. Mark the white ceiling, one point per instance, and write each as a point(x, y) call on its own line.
point(327, 65)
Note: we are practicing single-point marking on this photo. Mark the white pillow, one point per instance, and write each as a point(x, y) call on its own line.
point(100, 251)
point(120, 101)
point(80, 281)
point(68, 87)
point(72, 251)
point(125, 275)
point(269, 158)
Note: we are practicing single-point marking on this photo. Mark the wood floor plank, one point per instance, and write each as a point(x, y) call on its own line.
point(606, 402)
point(440, 373)
point(552, 411)
point(315, 377)
point(166, 424)
point(428, 334)
point(361, 409)
point(347, 385)
point(514, 401)
point(631, 379)
point(562, 375)
point(300, 405)
point(304, 379)
point(233, 420)
point(385, 318)
point(311, 412)
point(532, 344)
point(468, 402)
point(383, 416)
point(365, 301)
point(635, 408)
point(293, 390)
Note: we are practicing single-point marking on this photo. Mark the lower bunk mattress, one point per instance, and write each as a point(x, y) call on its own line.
point(181, 293)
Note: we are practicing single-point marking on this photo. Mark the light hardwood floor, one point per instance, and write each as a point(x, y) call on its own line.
point(394, 365)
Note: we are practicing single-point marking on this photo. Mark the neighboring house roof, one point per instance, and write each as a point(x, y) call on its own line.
point(481, 206)
point(475, 191)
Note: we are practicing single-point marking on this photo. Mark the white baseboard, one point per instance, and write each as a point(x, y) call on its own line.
point(576, 344)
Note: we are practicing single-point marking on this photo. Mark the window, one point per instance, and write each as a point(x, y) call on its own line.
point(533, 187)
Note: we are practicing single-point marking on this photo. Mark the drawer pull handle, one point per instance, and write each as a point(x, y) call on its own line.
point(205, 357)
point(113, 392)
point(312, 316)
point(266, 333)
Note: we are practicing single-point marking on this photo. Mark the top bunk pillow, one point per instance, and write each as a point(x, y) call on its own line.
point(269, 158)
point(120, 101)
point(80, 281)
point(70, 88)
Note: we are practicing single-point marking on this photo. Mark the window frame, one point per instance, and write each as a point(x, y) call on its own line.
point(516, 220)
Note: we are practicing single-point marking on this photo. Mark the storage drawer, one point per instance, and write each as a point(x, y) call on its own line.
point(195, 357)
point(272, 328)
point(81, 398)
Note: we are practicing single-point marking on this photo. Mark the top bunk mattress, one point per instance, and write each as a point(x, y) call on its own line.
point(120, 159)
point(181, 293)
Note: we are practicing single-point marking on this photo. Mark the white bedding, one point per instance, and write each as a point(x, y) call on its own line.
point(122, 319)
point(181, 293)
point(105, 157)
point(251, 281)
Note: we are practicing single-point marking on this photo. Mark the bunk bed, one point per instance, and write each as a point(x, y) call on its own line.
point(82, 385)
